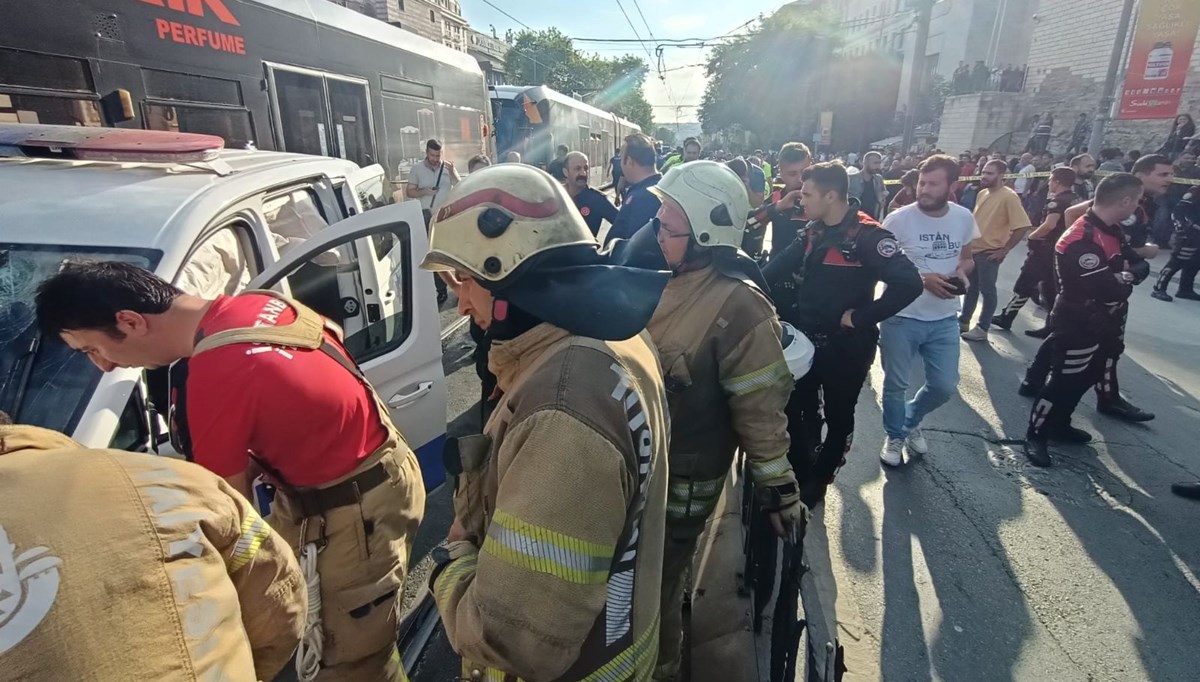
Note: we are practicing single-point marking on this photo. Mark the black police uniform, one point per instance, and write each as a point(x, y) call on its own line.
point(1037, 272)
point(595, 208)
point(639, 207)
point(1185, 257)
point(1134, 233)
point(1088, 323)
point(835, 268)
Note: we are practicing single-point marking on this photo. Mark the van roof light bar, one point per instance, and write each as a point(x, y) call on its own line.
point(120, 145)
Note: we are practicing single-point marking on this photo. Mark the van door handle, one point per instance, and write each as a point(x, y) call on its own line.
point(405, 399)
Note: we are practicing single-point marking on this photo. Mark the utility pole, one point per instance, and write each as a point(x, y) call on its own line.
point(916, 72)
point(1103, 114)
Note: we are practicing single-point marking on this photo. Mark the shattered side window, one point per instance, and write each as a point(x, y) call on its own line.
point(42, 381)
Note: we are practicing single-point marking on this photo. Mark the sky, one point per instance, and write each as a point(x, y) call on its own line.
point(685, 81)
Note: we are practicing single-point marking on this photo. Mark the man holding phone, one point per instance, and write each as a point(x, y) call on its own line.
point(936, 235)
point(428, 181)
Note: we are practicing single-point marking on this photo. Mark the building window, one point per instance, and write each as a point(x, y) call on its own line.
point(432, 16)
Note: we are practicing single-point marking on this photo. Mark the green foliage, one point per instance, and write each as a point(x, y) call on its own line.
point(769, 81)
point(665, 135)
point(549, 58)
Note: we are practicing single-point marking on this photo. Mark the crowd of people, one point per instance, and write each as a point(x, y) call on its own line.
point(982, 78)
point(730, 306)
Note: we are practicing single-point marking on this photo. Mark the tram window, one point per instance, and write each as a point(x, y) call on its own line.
point(351, 121)
point(33, 70)
point(409, 122)
point(231, 125)
point(302, 113)
point(67, 111)
point(190, 88)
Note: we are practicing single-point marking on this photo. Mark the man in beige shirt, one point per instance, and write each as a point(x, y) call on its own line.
point(1002, 223)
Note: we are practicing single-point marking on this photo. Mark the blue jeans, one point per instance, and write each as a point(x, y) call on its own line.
point(900, 340)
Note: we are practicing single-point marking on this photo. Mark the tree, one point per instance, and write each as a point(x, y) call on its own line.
point(770, 81)
point(549, 58)
point(665, 135)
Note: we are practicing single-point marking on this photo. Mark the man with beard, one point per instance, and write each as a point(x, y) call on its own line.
point(1037, 272)
point(1088, 319)
point(1164, 225)
point(1155, 173)
point(592, 204)
point(1002, 223)
point(837, 260)
point(867, 185)
point(936, 236)
point(1085, 169)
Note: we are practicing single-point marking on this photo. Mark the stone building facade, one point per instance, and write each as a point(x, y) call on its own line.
point(438, 20)
point(1068, 58)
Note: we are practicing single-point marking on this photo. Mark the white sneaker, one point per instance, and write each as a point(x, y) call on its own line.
point(916, 442)
point(893, 452)
point(976, 334)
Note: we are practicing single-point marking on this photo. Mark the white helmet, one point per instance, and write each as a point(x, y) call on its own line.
point(498, 217)
point(714, 199)
point(798, 351)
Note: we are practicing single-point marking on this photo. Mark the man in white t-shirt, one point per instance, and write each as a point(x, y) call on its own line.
point(428, 182)
point(936, 236)
point(1025, 166)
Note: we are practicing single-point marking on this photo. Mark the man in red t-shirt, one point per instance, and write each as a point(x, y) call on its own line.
point(263, 385)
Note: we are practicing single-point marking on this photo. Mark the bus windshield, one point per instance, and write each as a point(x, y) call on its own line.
point(42, 381)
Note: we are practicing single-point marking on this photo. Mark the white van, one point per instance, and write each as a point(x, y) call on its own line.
point(211, 221)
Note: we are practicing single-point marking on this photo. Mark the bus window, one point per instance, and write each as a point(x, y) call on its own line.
point(302, 112)
point(351, 121)
point(68, 111)
point(409, 123)
point(232, 125)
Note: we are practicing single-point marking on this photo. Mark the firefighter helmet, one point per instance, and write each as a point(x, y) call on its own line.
point(498, 218)
point(714, 199)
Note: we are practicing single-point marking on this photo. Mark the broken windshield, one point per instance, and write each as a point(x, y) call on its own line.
point(42, 381)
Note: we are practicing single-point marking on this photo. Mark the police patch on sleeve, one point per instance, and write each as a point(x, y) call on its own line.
point(1130, 221)
point(1089, 261)
point(887, 247)
point(1052, 206)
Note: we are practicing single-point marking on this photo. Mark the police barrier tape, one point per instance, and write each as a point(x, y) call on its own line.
point(1046, 174)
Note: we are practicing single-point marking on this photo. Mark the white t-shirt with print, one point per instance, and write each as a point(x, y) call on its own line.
point(933, 244)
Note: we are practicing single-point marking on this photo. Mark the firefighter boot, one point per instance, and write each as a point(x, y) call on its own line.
point(1122, 409)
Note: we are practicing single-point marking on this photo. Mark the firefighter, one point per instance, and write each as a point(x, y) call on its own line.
point(719, 343)
point(1037, 272)
point(158, 571)
point(835, 263)
point(1088, 319)
point(782, 210)
point(349, 490)
point(1185, 257)
point(1156, 173)
point(553, 563)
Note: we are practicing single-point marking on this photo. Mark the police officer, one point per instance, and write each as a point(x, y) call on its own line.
point(1088, 319)
point(1156, 173)
point(350, 495)
point(1185, 257)
point(592, 205)
point(782, 210)
point(836, 261)
point(160, 571)
point(553, 566)
point(639, 205)
point(719, 343)
point(1037, 272)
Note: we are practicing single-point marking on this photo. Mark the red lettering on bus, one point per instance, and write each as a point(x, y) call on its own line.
point(189, 35)
point(200, 37)
point(196, 8)
point(163, 26)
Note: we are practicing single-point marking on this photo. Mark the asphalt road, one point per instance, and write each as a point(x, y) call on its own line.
point(968, 564)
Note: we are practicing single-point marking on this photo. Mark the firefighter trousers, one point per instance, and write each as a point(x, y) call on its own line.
point(824, 399)
point(362, 568)
point(679, 550)
point(1077, 361)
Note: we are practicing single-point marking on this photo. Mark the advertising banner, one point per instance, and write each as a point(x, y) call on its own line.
point(826, 127)
point(1159, 58)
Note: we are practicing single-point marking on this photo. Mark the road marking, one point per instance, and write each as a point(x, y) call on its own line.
point(454, 327)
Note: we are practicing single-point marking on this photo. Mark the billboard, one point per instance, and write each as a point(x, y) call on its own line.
point(1159, 59)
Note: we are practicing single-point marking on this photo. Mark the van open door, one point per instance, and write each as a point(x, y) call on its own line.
point(365, 189)
point(362, 272)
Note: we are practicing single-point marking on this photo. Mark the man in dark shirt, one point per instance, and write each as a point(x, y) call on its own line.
point(558, 166)
point(836, 263)
point(782, 209)
point(640, 205)
point(593, 206)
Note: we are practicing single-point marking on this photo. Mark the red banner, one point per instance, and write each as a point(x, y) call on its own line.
point(1159, 58)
